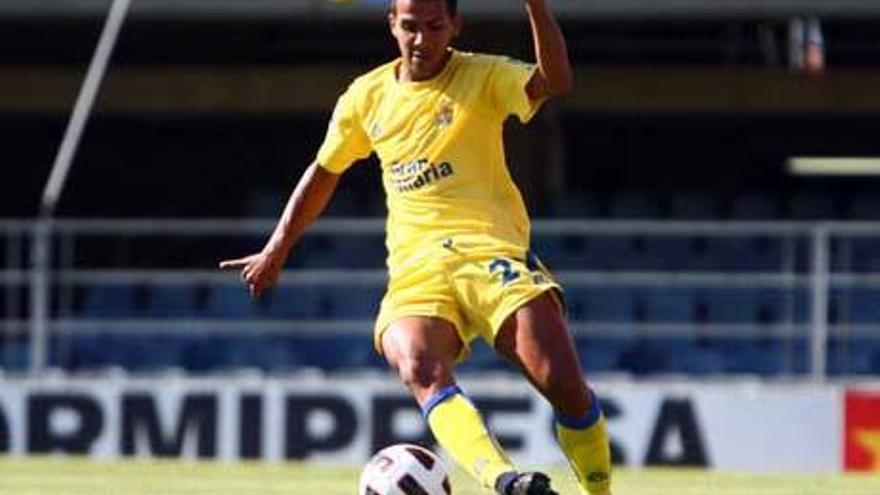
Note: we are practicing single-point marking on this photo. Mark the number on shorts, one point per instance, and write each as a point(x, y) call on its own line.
point(508, 274)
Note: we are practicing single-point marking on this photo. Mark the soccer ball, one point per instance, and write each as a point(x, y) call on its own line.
point(404, 469)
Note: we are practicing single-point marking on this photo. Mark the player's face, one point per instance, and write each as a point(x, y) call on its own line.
point(423, 29)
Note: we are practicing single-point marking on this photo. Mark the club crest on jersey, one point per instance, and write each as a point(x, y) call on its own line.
point(416, 174)
point(445, 114)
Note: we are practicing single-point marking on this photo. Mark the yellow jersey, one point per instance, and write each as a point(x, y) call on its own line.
point(440, 145)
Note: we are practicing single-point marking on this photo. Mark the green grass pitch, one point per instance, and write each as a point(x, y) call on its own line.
point(56, 476)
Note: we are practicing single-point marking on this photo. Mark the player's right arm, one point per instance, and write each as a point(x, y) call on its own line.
point(345, 143)
point(262, 270)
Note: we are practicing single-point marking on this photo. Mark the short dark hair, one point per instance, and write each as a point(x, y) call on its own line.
point(451, 7)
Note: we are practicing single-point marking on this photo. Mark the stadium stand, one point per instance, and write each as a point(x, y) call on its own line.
point(629, 299)
point(643, 302)
point(675, 125)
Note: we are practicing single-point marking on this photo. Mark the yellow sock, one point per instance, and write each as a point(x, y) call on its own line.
point(585, 443)
point(460, 430)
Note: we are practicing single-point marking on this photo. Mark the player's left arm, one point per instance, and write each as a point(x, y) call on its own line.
point(554, 75)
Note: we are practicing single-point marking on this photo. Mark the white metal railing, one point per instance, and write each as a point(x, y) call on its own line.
point(819, 279)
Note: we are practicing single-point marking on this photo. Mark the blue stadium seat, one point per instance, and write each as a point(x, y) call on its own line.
point(483, 358)
point(596, 252)
point(360, 251)
point(303, 302)
point(702, 360)
point(324, 302)
point(230, 301)
point(316, 251)
point(355, 302)
point(341, 251)
point(742, 305)
point(672, 252)
point(336, 353)
point(803, 305)
point(203, 353)
point(547, 247)
point(150, 352)
point(686, 355)
point(642, 356)
point(605, 304)
point(91, 352)
point(852, 357)
point(864, 254)
point(667, 305)
point(596, 359)
point(563, 251)
point(756, 305)
point(605, 252)
point(751, 254)
point(601, 353)
point(171, 301)
point(687, 253)
point(738, 356)
point(110, 301)
point(14, 356)
point(267, 353)
point(619, 253)
point(84, 352)
point(751, 357)
point(862, 305)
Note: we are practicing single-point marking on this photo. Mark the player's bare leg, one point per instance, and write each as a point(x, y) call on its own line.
point(536, 339)
point(423, 351)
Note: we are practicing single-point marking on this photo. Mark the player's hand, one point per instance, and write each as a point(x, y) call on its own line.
point(259, 271)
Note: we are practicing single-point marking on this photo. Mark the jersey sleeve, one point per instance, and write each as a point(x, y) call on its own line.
point(345, 142)
point(507, 84)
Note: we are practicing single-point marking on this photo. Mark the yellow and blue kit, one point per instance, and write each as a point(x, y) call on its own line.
point(457, 229)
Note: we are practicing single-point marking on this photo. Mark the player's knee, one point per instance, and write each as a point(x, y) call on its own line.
point(421, 372)
point(568, 394)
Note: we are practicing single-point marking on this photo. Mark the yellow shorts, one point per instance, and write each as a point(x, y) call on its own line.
point(475, 293)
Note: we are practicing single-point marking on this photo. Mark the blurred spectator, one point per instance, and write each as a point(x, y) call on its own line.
point(806, 46)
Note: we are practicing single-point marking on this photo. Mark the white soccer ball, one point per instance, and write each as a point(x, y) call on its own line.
point(404, 469)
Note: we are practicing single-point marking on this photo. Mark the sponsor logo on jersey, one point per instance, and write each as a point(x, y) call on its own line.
point(416, 174)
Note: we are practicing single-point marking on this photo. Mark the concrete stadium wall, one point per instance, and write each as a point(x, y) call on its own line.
point(274, 91)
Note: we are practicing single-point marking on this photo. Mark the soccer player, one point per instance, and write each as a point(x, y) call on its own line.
point(457, 235)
